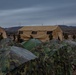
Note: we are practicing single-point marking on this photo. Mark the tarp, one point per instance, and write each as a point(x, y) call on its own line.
point(32, 43)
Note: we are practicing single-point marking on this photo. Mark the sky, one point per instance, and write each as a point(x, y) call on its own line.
point(37, 12)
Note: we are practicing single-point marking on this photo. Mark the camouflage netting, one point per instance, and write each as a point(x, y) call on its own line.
point(12, 57)
point(54, 58)
point(10, 42)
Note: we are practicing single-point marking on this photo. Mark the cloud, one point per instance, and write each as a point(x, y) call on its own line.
point(46, 12)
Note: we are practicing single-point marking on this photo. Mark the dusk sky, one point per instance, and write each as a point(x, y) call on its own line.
point(37, 12)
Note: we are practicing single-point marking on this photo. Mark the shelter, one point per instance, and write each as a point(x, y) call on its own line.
point(43, 33)
point(2, 31)
point(40, 32)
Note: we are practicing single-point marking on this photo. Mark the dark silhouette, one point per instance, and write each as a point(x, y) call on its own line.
point(74, 37)
point(1, 36)
point(31, 37)
point(58, 38)
point(50, 37)
point(19, 38)
point(66, 36)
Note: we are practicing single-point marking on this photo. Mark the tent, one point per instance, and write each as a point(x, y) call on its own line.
point(32, 43)
point(3, 32)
